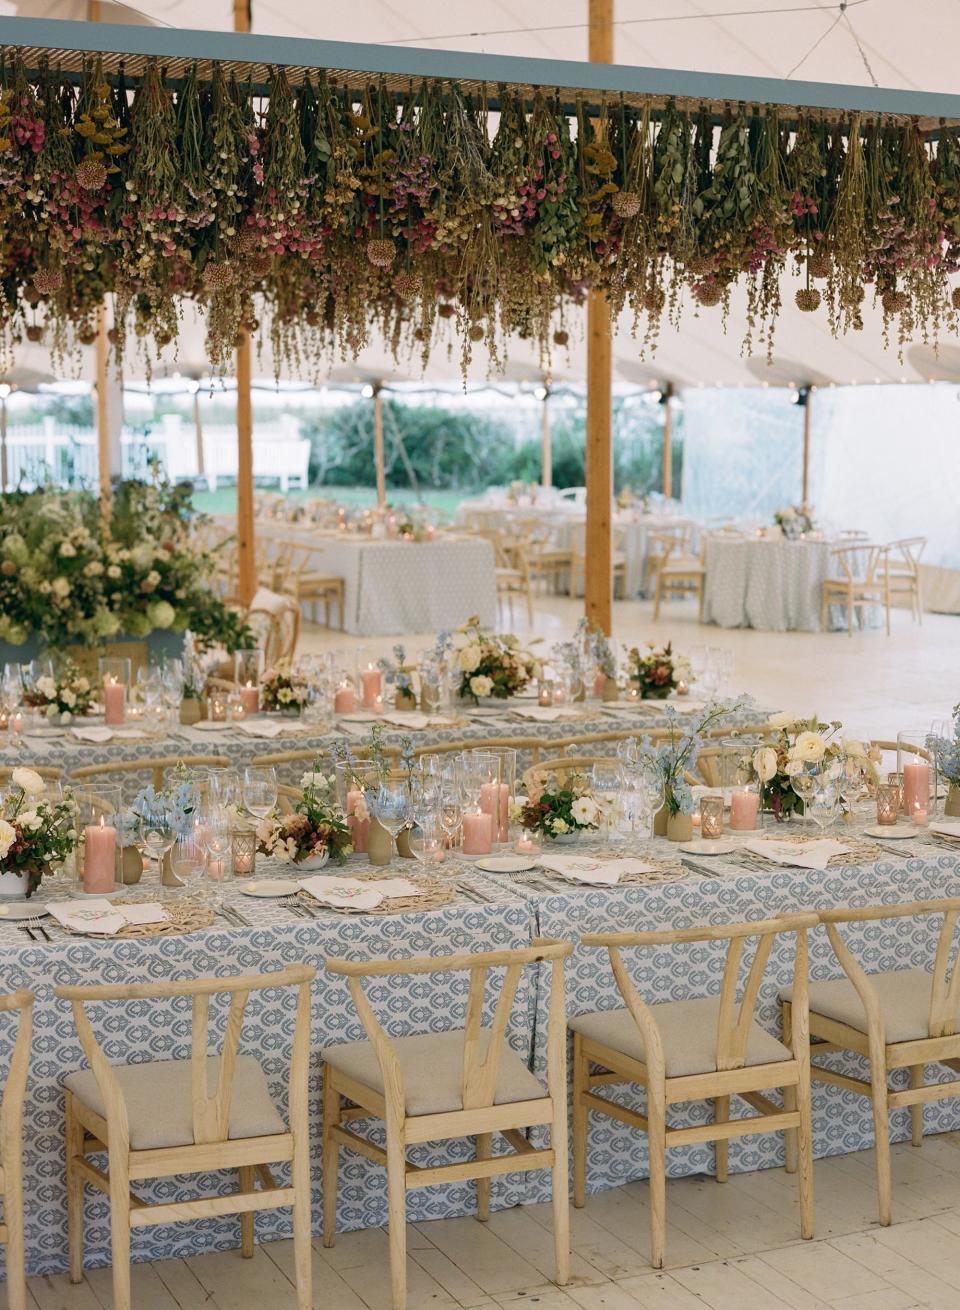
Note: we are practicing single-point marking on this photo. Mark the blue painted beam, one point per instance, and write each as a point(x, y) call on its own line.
point(461, 66)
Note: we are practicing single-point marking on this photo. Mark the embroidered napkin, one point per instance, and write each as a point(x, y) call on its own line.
point(270, 728)
point(602, 873)
point(100, 734)
point(799, 855)
point(97, 915)
point(544, 713)
point(352, 893)
point(415, 720)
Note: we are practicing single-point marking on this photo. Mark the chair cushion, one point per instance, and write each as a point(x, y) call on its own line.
point(904, 1003)
point(432, 1066)
point(688, 1032)
point(159, 1102)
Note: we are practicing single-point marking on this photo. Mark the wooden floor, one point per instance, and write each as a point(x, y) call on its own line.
point(730, 1246)
point(875, 684)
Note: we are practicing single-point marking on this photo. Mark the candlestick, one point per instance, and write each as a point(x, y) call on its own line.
point(250, 697)
point(99, 857)
point(744, 806)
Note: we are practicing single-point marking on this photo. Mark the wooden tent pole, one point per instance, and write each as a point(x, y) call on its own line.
point(546, 450)
point(246, 540)
point(103, 414)
point(805, 500)
point(668, 441)
point(598, 577)
point(379, 459)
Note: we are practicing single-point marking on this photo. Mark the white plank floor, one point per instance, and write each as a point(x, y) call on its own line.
point(875, 684)
point(732, 1247)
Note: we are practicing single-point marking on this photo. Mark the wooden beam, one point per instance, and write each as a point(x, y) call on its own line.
point(668, 441)
point(805, 500)
point(246, 541)
point(546, 448)
point(103, 414)
point(598, 576)
point(3, 439)
point(379, 461)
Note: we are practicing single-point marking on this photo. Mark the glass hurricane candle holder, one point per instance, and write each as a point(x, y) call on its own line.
point(711, 817)
point(888, 802)
point(545, 692)
point(896, 780)
point(247, 672)
point(243, 854)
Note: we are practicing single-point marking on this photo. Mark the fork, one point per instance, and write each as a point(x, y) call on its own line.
point(33, 926)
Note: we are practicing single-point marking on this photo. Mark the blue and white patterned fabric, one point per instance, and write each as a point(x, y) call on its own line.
point(489, 911)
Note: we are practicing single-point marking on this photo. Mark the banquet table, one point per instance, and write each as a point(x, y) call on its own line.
point(394, 587)
point(67, 752)
point(768, 583)
point(487, 911)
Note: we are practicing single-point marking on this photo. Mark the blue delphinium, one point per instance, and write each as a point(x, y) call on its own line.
point(677, 754)
point(946, 751)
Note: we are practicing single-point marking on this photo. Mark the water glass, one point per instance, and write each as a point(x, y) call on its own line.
point(260, 789)
point(390, 805)
point(188, 858)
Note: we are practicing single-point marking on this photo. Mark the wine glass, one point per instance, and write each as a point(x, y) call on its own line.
point(217, 840)
point(823, 797)
point(157, 832)
point(260, 789)
point(428, 840)
point(645, 782)
point(11, 686)
point(802, 784)
point(188, 856)
point(223, 787)
point(390, 805)
point(851, 780)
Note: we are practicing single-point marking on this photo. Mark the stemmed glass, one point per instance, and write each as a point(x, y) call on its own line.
point(823, 797)
point(188, 857)
point(391, 806)
point(428, 840)
point(803, 784)
point(851, 780)
point(156, 830)
point(11, 686)
point(216, 838)
point(645, 784)
point(260, 789)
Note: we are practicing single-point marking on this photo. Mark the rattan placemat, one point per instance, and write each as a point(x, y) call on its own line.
point(434, 893)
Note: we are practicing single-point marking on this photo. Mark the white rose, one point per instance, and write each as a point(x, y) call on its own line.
point(82, 685)
point(781, 720)
point(29, 781)
point(8, 835)
point(584, 810)
point(46, 687)
point(765, 763)
point(469, 658)
point(68, 697)
point(93, 569)
point(481, 685)
point(113, 571)
point(30, 821)
point(809, 747)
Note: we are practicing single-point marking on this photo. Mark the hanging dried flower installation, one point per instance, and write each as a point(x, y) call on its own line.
point(326, 215)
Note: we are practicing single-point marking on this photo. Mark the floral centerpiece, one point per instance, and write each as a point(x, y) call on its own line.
point(315, 832)
point(560, 812)
point(397, 672)
point(283, 690)
point(35, 834)
point(63, 696)
point(656, 671)
point(791, 746)
point(946, 754)
point(794, 521)
point(492, 665)
point(673, 759)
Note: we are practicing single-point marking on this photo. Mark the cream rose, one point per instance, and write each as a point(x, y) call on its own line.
point(469, 658)
point(765, 763)
point(809, 747)
point(584, 810)
point(29, 781)
point(781, 720)
point(481, 685)
point(8, 835)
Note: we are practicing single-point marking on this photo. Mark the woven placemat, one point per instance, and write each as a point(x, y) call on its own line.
point(182, 917)
point(434, 893)
point(860, 852)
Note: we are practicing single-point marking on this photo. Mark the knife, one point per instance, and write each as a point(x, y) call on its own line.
point(697, 868)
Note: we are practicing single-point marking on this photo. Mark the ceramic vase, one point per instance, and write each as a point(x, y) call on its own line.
point(379, 843)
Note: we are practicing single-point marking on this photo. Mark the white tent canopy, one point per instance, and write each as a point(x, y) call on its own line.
point(813, 39)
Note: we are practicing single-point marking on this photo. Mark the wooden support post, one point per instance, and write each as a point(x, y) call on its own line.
point(668, 441)
point(546, 450)
point(805, 498)
point(103, 415)
point(378, 455)
point(246, 543)
point(598, 579)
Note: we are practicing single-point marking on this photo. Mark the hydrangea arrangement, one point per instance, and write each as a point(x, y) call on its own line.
point(555, 813)
point(492, 664)
point(282, 689)
point(656, 671)
point(64, 695)
point(315, 827)
point(35, 832)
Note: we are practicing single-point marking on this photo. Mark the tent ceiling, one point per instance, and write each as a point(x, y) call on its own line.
point(764, 41)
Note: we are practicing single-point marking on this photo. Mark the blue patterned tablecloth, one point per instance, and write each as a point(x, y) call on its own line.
point(489, 911)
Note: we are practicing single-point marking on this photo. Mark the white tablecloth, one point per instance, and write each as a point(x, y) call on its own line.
point(769, 583)
point(394, 588)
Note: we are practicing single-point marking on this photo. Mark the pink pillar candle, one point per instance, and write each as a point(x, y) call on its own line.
point(250, 699)
point(599, 683)
point(371, 684)
point(99, 857)
point(916, 787)
point(17, 723)
point(477, 833)
point(360, 828)
point(504, 832)
point(744, 806)
point(345, 700)
point(114, 701)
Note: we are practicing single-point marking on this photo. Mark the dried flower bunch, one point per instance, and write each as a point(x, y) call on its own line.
point(326, 214)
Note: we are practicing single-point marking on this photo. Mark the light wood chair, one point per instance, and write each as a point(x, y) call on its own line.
point(309, 585)
point(512, 572)
point(618, 559)
point(462, 1083)
point(275, 621)
point(159, 1118)
point(903, 572)
point(897, 1019)
point(11, 1146)
point(661, 543)
point(695, 1050)
point(157, 767)
point(678, 574)
point(860, 582)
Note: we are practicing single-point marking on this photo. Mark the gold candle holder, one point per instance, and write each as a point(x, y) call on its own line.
point(711, 817)
point(896, 779)
point(244, 854)
point(888, 803)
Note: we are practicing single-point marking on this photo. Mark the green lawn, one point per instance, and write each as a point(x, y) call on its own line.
point(224, 499)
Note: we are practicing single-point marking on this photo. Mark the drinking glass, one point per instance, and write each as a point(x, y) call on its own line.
point(12, 686)
point(823, 797)
point(802, 784)
point(851, 780)
point(428, 841)
point(156, 830)
point(216, 838)
point(644, 779)
point(606, 783)
point(390, 805)
point(223, 787)
point(188, 856)
point(260, 789)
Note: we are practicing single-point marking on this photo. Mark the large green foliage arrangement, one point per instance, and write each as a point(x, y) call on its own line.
point(67, 577)
point(437, 220)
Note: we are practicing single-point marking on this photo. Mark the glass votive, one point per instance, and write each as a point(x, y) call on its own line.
point(217, 707)
point(888, 802)
point(711, 817)
point(4, 719)
point(244, 854)
point(526, 845)
point(236, 709)
point(896, 780)
point(545, 688)
point(18, 722)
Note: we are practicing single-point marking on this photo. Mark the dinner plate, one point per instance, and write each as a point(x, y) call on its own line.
point(267, 887)
point(49, 730)
point(22, 910)
point(708, 847)
point(506, 864)
point(211, 725)
point(894, 833)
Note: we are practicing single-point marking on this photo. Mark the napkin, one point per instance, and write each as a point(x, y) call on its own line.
point(947, 828)
point(353, 893)
point(415, 720)
point(359, 716)
point(97, 915)
point(800, 855)
point(604, 873)
point(93, 734)
point(270, 728)
point(545, 713)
